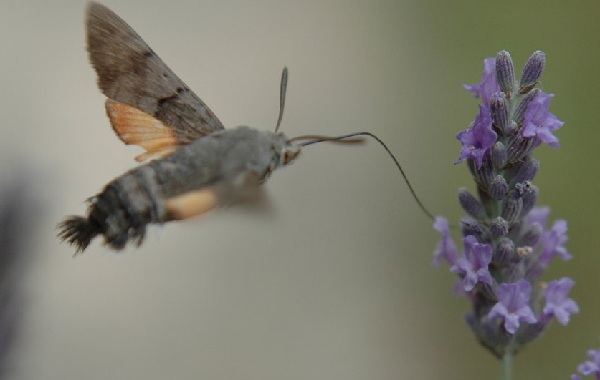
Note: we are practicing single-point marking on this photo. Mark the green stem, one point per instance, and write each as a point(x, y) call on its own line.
point(507, 365)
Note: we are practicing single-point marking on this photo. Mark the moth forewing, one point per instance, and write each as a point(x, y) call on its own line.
point(130, 72)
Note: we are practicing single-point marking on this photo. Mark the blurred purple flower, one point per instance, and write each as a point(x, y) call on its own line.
point(553, 242)
point(513, 305)
point(539, 122)
point(590, 367)
point(538, 215)
point(473, 267)
point(489, 83)
point(557, 302)
point(478, 139)
point(446, 248)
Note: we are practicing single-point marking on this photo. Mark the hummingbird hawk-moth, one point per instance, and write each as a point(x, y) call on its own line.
point(195, 163)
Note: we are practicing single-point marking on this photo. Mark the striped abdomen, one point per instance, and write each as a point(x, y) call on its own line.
point(120, 212)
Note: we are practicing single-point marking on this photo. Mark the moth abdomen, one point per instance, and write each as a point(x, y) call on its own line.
point(120, 212)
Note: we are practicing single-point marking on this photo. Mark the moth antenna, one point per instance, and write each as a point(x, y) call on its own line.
point(319, 138)
point(349, 138)
point(282, 91)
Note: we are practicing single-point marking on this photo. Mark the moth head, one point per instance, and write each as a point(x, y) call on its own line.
point(292, 148)
point(284, 151)
point(288, 154)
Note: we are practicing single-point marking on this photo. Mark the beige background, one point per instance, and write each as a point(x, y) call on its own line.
point(334, 280)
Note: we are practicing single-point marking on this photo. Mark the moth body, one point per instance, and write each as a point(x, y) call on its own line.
point(213, 170)
point(198, 164)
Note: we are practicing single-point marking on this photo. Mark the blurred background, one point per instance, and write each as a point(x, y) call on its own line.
point(334, 280)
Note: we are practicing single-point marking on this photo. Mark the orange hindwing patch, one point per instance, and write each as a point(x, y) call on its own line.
point(135, 127)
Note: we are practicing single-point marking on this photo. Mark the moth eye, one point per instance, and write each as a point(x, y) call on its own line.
point(289, 155)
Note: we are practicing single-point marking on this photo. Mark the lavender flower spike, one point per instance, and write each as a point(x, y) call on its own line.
point(507, 242)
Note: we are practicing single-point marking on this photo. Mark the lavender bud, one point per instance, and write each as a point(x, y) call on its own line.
point(470, 204)
point(512, 128)
point(499, 155)
point(532, 236)
point(522, 187)
point(489, 204)
point(505, 72)
point(511, 209)
point(505, 252)
point(529, 199)
point(488, 291)
point(472, 165)
point(531, 332)
point(485, 174)
point(519, 147)
point(499, 110)
point(470, 226)
point(499, 188)
point(515, 272)
point(527, 171)
point(498, 227)
point(532, 71)
point(522, 107)
point(493, 336)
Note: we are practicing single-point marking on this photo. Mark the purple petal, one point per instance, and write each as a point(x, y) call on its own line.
point(489, 83)
point(478, 139)
point(512, 305)
point(539, 215)
point(588, 368)
point(553, 242)
point(511, 323)
point(446, 248)
point(557, 302)
point(539, 122)
point(473, 267)
point(546, 136)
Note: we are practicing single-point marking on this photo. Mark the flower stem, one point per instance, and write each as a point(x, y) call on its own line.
point(507, 365)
